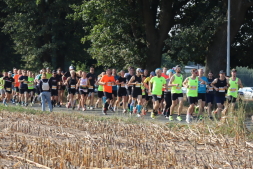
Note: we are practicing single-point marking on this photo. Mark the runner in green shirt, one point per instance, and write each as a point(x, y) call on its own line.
point(191, 83)
point(156, 85)
point(234, 83)
point(2, 91)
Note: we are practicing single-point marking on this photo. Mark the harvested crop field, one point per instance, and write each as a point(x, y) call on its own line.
point(61, 140)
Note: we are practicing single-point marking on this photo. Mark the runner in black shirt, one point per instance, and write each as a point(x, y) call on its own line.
point(23, 79)
point(92, 79)
point(54, 91)
point(9, 81)
point(61, 87)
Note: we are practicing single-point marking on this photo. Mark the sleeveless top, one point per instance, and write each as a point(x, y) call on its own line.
point(83, 84)
point(192, 90)
point(233, 88)
point(72, 83)
point(177, 80)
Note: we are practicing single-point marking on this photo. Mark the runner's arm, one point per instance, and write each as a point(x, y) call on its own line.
point(131, 80)
point(240, 83)
point(185, 83)
point(213, 84)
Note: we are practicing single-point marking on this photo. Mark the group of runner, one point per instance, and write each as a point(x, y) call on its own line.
point(133, 90)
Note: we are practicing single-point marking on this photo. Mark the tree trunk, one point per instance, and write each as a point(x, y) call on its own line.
point(216, 58)
point(154, 54)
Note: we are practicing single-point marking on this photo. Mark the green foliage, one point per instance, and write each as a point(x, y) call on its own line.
point(246, 76)
point(108, 25)
point(199, 20)
point(41, 33)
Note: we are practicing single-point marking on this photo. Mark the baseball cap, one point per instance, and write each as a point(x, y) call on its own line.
point(47, 68)
point(138, 69)
point(233, 70)
point(170, 71)
point(221, 72)
point(152, 73)
point(71, 67)
point(9, 72)
point(53, 71)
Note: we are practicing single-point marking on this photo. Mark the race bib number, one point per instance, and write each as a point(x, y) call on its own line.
point(178, 88)
point(73, 86)
point(54, 87)
point(159, 96)
point(193, 87)
point(149, 94)
point(8, 89)
point(169, 88)
point(221, 89)
point(25, 82)
point(123, 86)
point(232, 90)
point(210, 89)
point(109, 84)
point(30, 85)
point(90, 87)
point(138, 85)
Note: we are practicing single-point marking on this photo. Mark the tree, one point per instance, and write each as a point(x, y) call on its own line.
point(8, 58)
point(42, 33)
point(202, 33)
point(128, 32)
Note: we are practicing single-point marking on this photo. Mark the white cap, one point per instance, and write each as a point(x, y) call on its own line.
point(71, 67)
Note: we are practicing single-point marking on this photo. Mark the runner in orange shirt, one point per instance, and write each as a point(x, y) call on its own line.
point(107, 81)
point(16, 87)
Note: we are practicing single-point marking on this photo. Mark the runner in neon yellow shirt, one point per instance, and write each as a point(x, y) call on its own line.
point(234, 83)
point(191, 83)
point(156, 85)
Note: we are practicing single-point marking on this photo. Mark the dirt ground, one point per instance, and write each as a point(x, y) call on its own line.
point(61, 140)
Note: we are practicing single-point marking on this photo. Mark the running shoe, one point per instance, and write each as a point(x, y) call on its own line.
point(91, 107)
point(124, 111)
point(179, 118)
point(200, 117)
point(138, 115)
point(152, 115)
point(210, 117)
point(171, 118)
point(96, 105)
point(104, 111)
point(111, 108)
point(84, 109)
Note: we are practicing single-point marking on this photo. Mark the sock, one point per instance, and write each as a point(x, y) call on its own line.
point(139, 108)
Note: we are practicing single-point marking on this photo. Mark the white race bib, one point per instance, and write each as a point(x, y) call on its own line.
point(54, 87)
point(73, 86)
point(221, 89)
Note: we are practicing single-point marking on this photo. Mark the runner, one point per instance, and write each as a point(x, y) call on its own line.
point(37, 88)
point(23, 80)
point(45, 87)
point(210, 95)
point(176, 93)
point(136, 81)
point(156, 85)
point(192, 85)
point(122, 93)
point(78, 95)
point(232, 93)
point(64, 79)
point(16, 98)
point(61, 87)
point(220, 86)
point(201, 93)
point(71, 82)
point(54, 81)
point(148, 95)
point(167, 97)
point(83, 84)
point(107, 80)
point(2, 90)
point(129, 87)
point(31, 88)
point(92, 78)
point(48, 73)
point(9, 81)
point(114, 87)
point(100, 90)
